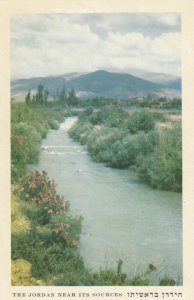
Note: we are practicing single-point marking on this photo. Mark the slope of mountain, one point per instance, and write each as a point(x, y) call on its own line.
point(174, 84)
point(103, 83)
point(52, 83)
point(98, 83)
point(169, 81)
point(157, 77)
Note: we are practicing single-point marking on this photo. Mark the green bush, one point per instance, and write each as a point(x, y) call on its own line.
point(49, 257)
point(163, 166)
point(25, 145)
point(167, 282)
point(141, 120)
point(99, 140)
point(111, 116)
point(78, 129)
point(135, 141)
point(54, 124)
point(28, 126)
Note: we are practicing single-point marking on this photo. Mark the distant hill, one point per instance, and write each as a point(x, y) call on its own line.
point(99, 83)
point(102, 83)
point(157, 77)
point(174, 84)
point(169, 81)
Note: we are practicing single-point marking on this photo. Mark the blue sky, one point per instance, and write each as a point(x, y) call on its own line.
point(52, 44)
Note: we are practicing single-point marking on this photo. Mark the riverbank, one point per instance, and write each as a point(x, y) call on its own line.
point(151, 141)
point(45, 238)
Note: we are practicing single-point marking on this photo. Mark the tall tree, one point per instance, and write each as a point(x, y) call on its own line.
point(63, 95)
point(39, 94)
point(72, 98)
point(28, 98)
point(46, 93)
point(72, 94)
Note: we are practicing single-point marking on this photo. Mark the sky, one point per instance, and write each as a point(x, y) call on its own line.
point(56, 44)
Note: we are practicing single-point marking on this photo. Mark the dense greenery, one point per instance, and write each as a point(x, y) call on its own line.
point(67, 98)
point(28, 127)
point(159, 104)
point(41, 97)
point(50, 237)
point(149, 140)
point(45, 238)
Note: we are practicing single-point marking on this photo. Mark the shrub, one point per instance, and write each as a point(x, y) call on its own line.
point(143, 120)
point(100, 140)
point(37, 187)
point(155, 150)
point(49, 244)
point(167, 282)
point(54, 124)
point(78, 129)
point(111, 116)
point(21, 273)
point(25, 143)
point(28, 126)
point(49, 257)
point(163, 166)
point(42, 127)
point(19, 222)
point(88, 111)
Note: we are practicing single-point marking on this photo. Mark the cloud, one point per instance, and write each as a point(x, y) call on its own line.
point(146, 23)
point(60, 43)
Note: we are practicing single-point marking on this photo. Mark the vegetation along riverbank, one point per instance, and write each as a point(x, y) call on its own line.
point(149, 140)
point(45, 237)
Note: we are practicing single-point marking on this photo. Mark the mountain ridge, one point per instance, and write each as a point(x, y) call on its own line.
point(99, 83)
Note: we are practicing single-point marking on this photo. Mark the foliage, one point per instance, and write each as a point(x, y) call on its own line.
point(49, 242)
point(19, 222)
point(163, 166)
point(143, 120)
point(45, 238)
point(25, 141)
point(21, 273)
point(40, 98)
point(149, 140)
point(111, 116)
point(37, 187)
point(54, 124)
point(28, 126)
point(167, 281)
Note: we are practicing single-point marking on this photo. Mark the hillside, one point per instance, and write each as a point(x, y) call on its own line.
point(99, 83)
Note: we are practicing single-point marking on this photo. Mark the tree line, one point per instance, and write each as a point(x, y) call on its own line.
point(42, 95)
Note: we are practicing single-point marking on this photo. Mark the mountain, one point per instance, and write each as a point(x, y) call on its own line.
point(174, 84)
point(160, 78)
point(170, 82)
point(107, 84)
point(96, 84)
point(53, 83)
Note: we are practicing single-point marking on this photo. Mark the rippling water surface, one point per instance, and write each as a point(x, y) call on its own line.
point(123, 218)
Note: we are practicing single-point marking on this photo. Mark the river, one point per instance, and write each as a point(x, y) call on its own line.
point(123, 218)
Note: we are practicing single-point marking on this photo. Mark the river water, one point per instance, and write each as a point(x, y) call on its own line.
point(123, 218)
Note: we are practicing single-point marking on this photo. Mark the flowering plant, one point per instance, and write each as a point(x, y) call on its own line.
point(37, 187)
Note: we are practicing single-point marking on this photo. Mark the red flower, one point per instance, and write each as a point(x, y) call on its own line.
point(32, 185)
